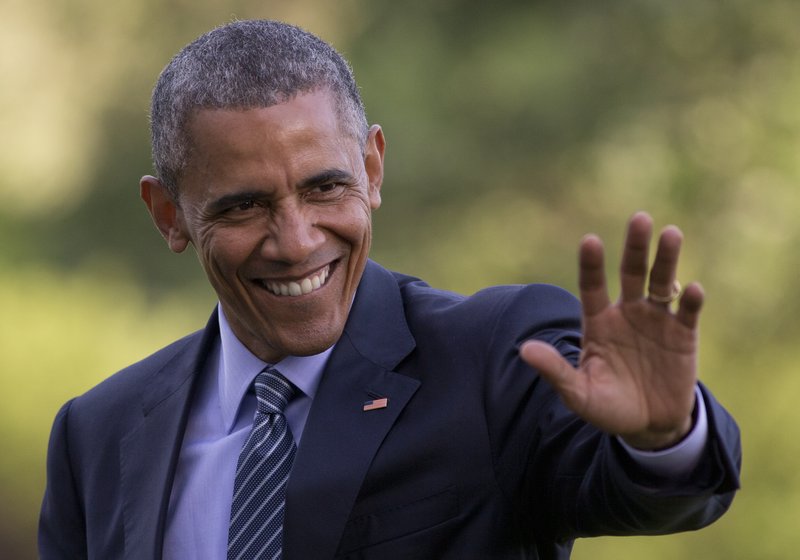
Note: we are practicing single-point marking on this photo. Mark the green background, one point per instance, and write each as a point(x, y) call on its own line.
point(513, 128)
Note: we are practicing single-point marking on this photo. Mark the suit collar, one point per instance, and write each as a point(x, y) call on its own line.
point(149, 452)
point(184, 366)
point(340, 438)
point(377, 325)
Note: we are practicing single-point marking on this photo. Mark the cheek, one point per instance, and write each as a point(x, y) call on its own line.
point(355, 225)
point(359, 238)
point(356, 232)
point(222, 252)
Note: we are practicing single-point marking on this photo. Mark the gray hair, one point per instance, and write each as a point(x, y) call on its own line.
point(245, 65)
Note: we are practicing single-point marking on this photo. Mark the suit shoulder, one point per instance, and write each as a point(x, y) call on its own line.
point(499, 317)
point(509, 301)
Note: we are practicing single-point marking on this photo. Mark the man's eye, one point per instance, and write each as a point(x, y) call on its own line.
point(329, 189)
point(247, 205)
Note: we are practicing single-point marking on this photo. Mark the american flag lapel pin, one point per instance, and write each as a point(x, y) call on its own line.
point(375, 404)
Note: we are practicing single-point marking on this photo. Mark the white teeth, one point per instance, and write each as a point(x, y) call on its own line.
point(302, 287)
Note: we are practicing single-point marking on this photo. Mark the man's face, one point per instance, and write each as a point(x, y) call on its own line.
point(277, 202)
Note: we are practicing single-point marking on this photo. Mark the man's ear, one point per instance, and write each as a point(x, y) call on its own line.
point(166, 213)
point(373, 163)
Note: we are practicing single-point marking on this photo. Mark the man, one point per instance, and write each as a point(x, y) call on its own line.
point(419, 424)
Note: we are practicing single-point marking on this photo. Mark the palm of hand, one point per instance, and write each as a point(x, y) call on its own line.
point(637, 372)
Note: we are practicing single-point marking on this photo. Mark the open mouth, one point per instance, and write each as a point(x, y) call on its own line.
point(310, 283)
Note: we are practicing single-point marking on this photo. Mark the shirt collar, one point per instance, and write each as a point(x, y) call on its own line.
point(238, 367)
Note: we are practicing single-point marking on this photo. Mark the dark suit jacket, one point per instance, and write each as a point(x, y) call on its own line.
point(474, 456)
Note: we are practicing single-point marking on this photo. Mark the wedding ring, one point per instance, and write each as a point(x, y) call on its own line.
point(676, 291)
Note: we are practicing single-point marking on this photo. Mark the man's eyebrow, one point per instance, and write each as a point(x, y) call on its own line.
point(326, 176)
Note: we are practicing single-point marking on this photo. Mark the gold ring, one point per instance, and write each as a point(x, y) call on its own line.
point(676, 291)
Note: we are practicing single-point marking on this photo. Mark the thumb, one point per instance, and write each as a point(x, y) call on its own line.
point(550, 364)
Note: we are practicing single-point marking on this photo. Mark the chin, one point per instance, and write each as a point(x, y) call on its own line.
point(310, 341)
point(309, 347)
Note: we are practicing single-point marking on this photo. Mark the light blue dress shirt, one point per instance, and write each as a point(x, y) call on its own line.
point(221, 418)
point(219, 422)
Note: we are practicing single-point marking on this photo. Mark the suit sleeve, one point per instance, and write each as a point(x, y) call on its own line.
point(569, 479)
point(62, 532)
point(619, 497)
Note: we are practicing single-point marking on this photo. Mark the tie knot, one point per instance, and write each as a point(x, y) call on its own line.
point(273, 391)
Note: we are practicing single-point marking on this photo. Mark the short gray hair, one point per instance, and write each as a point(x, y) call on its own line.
point(245, 65)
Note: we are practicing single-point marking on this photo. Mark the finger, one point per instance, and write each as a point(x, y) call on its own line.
point(690, 305)
point(665, 265)
point(592, 276)
point(633, 266)
point(552, 366)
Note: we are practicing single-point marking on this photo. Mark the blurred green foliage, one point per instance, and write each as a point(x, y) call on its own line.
point(513, 128)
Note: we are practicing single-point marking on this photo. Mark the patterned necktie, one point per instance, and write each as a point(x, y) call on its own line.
point(261, 473)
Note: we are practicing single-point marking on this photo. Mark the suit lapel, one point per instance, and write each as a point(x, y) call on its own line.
point(341, 438)
point(149, 452)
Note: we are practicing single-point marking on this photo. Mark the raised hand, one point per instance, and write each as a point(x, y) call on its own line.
point(638, 367)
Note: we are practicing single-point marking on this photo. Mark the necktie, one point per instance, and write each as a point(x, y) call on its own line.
point(261, 473)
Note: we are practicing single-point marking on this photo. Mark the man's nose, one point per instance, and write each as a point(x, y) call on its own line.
point(294, 234)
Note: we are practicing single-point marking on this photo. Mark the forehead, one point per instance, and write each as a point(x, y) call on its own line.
point(310, 112)
point(280, 144)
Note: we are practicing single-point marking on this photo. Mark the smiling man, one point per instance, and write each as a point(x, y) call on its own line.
point(278, 207)
point(334, 409)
